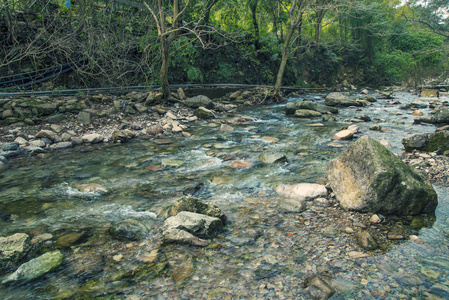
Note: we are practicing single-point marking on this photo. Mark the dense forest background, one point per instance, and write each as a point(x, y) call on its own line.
point(308, 43)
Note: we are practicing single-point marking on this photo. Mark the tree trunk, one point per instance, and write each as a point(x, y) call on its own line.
point(294, 24)
point(318, 25)
point(280, 75)
point(164, 67)
point(253, 7)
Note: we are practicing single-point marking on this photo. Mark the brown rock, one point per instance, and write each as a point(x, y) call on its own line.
point(241, 164)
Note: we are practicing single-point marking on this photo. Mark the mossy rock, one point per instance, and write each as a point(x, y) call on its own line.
point(192, 204)
point(367, 177)
point(70, 239)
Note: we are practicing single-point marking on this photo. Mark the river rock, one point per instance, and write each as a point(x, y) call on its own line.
point(21, 140)
point(367, 177)
point(179, 236)
point(292, 205)
point(10, 146)
point(85, 117)
point(93, 138)
point(241, 164)
point(340, 100)
point(418, 113)
point(61, 145)
point(13, 248)
point(195, 205)
point(70, 239)
point(36, 267)
point(306, 113)
point(343, 135)
point(203, 113)
point(430, 93)
point(430, 142)
point(273, 158)
point(46, 134)
point(441, 115)
point(291, 107)
point(301, 191)
point(46, 108)
point(318, 287)
point(226, 128)
point(199, 225)
point(129, 229)
point(56, 118)
point(199, 101)
point(366, 241)
point(90, 188)
point(171, 163)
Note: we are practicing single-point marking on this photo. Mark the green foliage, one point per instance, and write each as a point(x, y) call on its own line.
point(411, 56)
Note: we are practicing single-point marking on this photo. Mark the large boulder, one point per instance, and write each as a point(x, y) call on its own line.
point(12, 249)
point(36, 267)
point(367, 177)
point(195, 205)
point(430, 142)
point(340, 100)
point(198, 101)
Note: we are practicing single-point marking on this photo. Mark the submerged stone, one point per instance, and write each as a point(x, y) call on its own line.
point(273, 157)
point(36, 267)
point(367, 177)
point(366, 241)
point(129, 229)
point(301, 191)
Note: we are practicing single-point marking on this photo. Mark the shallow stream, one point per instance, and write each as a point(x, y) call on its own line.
point(263, 253)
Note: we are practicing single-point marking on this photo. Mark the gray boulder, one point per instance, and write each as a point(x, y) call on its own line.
point(430, 142)
point(195, 205)
point(198, 101)
point(198, 225)
point(340, 100)
point(36, 267)
point(12, 249)
point(367, 177)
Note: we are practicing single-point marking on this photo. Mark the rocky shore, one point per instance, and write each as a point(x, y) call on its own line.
point(34, 126)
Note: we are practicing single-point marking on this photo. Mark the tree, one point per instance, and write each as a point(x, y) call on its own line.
point(167, 34)
point(295, 15)
point(433, 14)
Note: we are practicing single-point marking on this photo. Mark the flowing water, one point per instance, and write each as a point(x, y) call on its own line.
point(263, 253)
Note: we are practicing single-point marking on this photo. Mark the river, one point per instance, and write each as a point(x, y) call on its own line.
point(263, 253)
